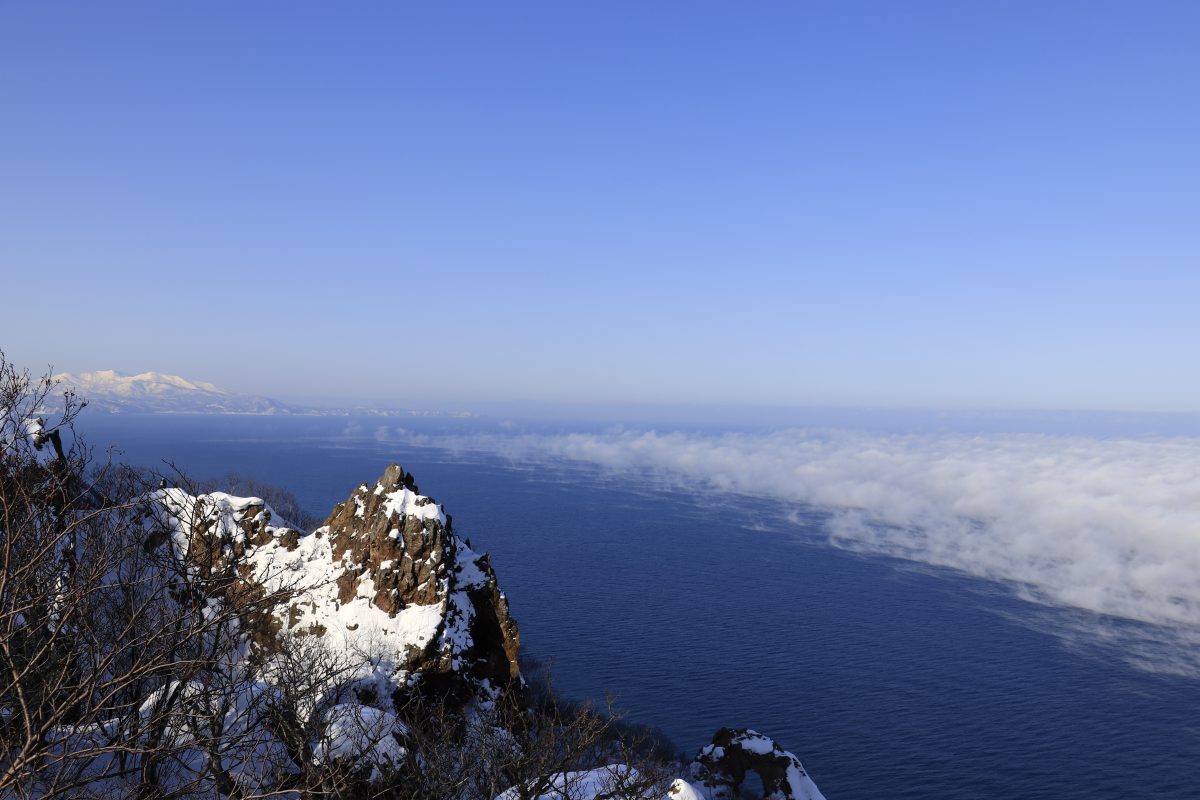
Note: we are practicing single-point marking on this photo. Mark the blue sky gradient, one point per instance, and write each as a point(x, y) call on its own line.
point(853, 203)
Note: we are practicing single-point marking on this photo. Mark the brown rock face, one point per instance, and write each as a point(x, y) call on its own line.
point(405, 545)
point(406, 556)
point(495, 641)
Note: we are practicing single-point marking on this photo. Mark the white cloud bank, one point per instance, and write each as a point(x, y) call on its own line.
point(1104, 525)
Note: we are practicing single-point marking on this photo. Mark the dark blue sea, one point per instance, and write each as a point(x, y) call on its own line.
point(700, 610)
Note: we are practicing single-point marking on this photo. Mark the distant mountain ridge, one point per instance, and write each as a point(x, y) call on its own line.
point(144, 383)
point(160, 393)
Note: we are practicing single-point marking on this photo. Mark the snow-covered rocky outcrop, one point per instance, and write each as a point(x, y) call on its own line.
point(721, 767)
point(384, 582)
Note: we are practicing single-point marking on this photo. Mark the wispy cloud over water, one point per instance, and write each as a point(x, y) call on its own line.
point(1108, 526)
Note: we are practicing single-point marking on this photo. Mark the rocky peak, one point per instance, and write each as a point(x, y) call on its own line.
point(395, 536)
point(385, 576)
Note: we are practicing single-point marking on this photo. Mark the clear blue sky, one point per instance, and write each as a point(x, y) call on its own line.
point(956, 204)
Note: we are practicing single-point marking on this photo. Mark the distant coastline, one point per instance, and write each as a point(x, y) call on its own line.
point(159, 393)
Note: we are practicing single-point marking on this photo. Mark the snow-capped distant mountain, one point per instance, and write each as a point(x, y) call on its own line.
point(146, 383)
point(157, 393)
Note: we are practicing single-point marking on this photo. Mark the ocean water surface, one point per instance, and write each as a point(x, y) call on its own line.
point(700, 608)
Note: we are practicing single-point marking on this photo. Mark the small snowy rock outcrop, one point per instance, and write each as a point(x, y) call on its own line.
point(721, 767)
point(717, 773)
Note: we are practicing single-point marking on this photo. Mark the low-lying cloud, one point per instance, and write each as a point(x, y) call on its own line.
point(1108, 526)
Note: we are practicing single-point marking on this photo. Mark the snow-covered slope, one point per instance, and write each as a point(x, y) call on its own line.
point(156, 392)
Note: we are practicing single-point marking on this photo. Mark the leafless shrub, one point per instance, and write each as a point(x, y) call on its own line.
point(513, 748)
point(119, 658)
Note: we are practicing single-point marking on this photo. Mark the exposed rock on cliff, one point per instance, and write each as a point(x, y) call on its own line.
point(384, 579)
